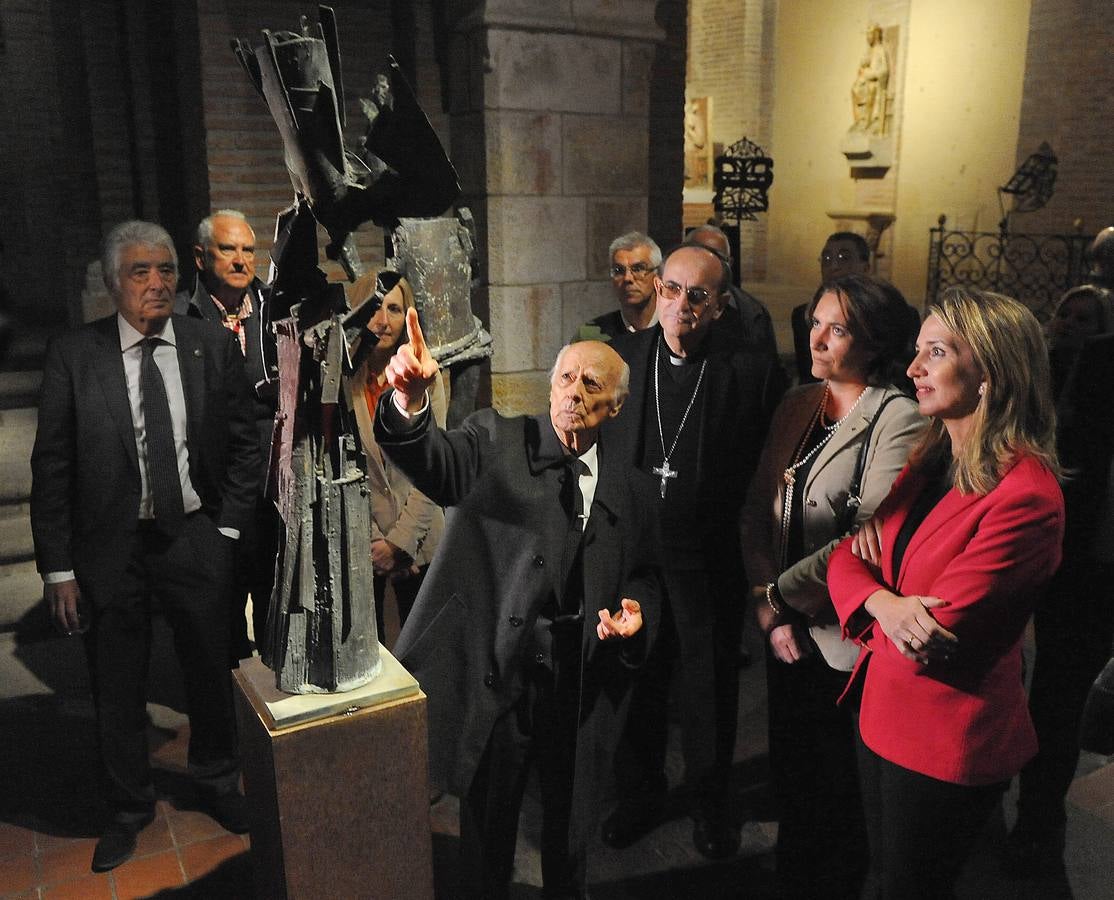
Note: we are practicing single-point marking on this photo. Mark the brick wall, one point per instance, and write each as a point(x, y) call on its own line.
point(245, 164)
point(116, 109)
point(1069, 101)
point(730, 47)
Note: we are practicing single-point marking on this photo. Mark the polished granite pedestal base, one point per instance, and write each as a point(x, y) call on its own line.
point(340, 803)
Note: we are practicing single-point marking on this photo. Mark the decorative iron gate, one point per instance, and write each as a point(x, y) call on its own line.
point(1034, 268)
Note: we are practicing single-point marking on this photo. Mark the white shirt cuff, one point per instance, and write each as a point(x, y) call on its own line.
point(233, 533)
point(406, 414)
point(58, 577)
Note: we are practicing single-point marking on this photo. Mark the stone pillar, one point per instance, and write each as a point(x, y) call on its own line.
point(550, 135)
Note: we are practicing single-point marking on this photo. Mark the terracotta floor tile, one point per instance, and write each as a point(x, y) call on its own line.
point(47, 842)
point(32, 894)
point(18, 873)
point(154, 838)
point(15, 840)
point(189, 825)
point(173, 753)
point(202, 857)
point(66, 862)
point(90, 887)
point(143, 877)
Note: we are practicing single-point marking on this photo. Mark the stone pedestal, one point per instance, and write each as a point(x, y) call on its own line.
point(340, 803)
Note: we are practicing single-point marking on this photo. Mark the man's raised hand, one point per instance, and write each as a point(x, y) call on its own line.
point(412, 369)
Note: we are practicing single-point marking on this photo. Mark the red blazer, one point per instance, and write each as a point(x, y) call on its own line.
point(966, 720)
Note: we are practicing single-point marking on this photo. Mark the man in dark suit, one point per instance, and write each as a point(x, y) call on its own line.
point(695, 420)
point(541, 598)
point(635, 258)
point(145, 468)
point(227, 293)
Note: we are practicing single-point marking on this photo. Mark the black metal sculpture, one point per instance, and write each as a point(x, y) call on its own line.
point(321, 633)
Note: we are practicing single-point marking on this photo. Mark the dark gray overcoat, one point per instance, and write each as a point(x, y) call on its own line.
point(472, 630)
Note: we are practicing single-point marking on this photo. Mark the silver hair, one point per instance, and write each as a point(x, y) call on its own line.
point(134, 231)
point(205, 226)
point(622, 389)
point(633, 239)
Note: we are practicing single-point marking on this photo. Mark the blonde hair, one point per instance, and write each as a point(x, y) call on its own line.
point(1015, 415)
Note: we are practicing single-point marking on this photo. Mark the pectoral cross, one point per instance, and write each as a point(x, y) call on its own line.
point(666, 473)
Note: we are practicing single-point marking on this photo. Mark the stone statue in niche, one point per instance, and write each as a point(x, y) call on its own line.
point(868, 143)
point(697, 143)
point(869, 90)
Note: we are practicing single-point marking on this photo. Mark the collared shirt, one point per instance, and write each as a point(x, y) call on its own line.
point(627, 325)
point(234, 321)
point(589, 479)
point(166, 358)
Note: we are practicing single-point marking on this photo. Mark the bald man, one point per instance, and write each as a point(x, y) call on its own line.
point(542, 598)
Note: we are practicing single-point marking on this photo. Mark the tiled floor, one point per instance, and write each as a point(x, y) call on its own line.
point(49, 818)
point(180, 847)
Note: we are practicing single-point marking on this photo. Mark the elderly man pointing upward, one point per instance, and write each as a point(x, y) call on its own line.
point(541, 600)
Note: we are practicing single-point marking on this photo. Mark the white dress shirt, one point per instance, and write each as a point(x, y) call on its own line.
point(166, 358)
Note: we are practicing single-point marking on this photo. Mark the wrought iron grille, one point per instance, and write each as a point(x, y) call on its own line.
point(742, 177)
point(1034, 268)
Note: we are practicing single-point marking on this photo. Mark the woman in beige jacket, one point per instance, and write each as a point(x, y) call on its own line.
point(406, 525)
point(856, 423)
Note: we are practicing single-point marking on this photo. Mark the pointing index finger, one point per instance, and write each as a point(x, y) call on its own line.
point(417, 339)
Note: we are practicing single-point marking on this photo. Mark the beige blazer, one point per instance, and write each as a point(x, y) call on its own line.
point(399, 511)
point(824, 494)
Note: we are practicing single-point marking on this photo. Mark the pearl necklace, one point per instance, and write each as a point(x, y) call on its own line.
point(790, 474)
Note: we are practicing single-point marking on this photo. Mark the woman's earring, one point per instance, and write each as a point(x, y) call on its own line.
point(982, 389)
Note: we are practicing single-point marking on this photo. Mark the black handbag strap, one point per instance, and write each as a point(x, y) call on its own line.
point(854, 497)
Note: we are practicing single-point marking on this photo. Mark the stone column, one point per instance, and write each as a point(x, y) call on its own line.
point(550, 128)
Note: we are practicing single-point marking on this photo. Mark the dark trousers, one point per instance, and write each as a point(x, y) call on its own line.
point(1072, 626)
point(821, 840)
point(540, 730)
point(921, 830)
point(253, 572)
point(406, 592)
point(699, 638)
point(186, 574)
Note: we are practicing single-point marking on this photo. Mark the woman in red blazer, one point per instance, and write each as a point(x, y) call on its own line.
point(938, 587)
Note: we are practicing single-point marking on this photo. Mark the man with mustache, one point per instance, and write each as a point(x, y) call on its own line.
point(228, 293)
point(696, 419)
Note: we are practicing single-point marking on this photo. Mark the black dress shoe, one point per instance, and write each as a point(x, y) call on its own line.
point(230, 810)
point(715, 839)
point(117, 844)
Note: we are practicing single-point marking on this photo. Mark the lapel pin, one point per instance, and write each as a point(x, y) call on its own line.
point(197, 352)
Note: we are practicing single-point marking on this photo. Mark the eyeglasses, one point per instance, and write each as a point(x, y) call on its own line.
point(638, 270)
point(696, 296)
